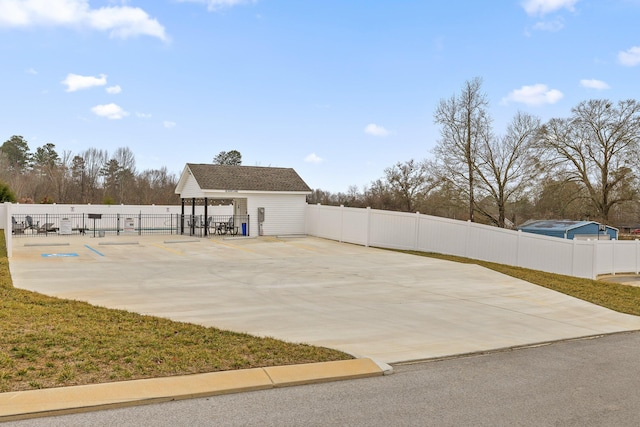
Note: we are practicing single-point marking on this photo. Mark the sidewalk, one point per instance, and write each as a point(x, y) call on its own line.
point(67, 400)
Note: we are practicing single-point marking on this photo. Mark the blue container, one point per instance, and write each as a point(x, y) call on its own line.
point(244, 228)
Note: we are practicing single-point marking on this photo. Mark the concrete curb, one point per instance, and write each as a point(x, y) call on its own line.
point(68, 400)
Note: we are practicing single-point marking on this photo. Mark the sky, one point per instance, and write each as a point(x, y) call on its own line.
point(339, 90)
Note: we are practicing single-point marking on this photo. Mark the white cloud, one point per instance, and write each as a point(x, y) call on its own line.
point(313, 158)
point(124, 22)
point(31, 71)
point(375, 130)
point(113, 90)
point(537, 94)
point(110, 111)
point(168, 125)
point(76, 82)
point(631, 57)
point(143, 115)
point(550, 26)
point(215, 5)
point(594, 84)
point(542, 7)
point(119, 21)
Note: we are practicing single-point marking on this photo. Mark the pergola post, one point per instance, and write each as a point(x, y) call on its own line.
point(206, 220)
point(193, 216)
point(182, 217)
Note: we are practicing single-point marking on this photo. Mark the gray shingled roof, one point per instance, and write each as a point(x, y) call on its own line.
point(246, 178)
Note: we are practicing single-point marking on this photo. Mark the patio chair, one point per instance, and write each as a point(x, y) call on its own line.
point(230, 226)
point(30, 225)
point(46, 228)
point(16, 227)
point(194, 222)
point(221, 228)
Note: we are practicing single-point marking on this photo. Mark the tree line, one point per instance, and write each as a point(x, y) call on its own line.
point(580, 167)
point(92, 176)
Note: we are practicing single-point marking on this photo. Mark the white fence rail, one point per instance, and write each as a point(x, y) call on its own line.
point(414, 231)
point(40, 212)
point(397, 230)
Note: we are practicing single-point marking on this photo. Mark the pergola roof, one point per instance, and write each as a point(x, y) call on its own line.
point(245, 178)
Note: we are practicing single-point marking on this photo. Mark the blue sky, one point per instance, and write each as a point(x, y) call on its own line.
point(338, 90)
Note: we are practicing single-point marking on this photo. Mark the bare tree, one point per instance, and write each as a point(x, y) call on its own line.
point(125, 178)
point(94, 161)
point(507, 166)
point(156, 186)
point(559, 198)
point(407, 181)
point(464, 125)
point(45, 166)
point(598, 147)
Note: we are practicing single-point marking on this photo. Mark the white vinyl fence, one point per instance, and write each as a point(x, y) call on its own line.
point(414, 231)
point(157, 218)
point(397, 230)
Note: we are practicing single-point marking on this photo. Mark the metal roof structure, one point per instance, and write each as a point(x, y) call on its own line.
point(569, 229)
point(554, 225)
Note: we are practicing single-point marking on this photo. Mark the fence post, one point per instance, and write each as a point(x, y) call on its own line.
point(8, 232)
point(613, 258)
point(637, 241)
point(341, 221)
point(573, 256)
point(416, 240)
point(518, 243)
point(367, 237)
point(467, 238)
point(594, 261)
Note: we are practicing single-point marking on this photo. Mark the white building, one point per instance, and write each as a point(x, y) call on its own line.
point(266, 201)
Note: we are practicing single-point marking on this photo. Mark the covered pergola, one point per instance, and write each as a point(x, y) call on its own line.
point(268, 199)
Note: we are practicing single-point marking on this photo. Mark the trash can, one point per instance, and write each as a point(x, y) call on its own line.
point(244, 228)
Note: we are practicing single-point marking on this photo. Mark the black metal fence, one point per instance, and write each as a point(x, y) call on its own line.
point(99, 225)
point(198, 225)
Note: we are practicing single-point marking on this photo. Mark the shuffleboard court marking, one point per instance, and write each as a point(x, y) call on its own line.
point(117, 243)
point(90, 248)
point(173, 251)
point(61, 255)
point(301, 246)
point(232, 246)
point(45, 244)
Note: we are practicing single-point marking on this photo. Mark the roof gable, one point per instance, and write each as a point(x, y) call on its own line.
point(246, 178)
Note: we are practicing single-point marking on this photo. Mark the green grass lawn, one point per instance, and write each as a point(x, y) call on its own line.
point(51, 342)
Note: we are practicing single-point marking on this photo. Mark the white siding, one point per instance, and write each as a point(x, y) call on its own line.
point(191, 188)
point(284, 213)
